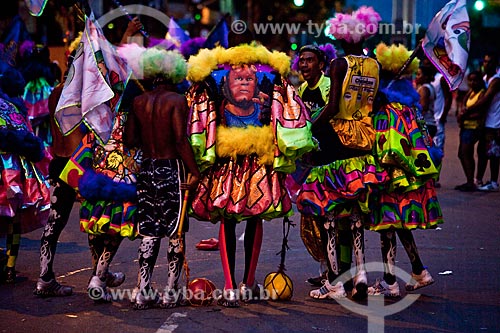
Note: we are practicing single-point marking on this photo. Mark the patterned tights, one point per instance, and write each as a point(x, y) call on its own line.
point(103, 249)
point(148, 253)
point(389, 246)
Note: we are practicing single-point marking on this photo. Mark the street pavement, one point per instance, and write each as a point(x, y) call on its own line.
point(463, 255)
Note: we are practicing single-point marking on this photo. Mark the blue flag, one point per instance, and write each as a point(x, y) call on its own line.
point(218, 35)
point(17, 33)
point(176, 33)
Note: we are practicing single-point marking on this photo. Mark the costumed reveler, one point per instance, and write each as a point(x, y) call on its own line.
point(101, 168)
point(40, 80)
point(313, 62)
point(157, 125)
point(247, 127)
point(337, 190)
point(63, 196)
point(24, 192)
point(405, 149)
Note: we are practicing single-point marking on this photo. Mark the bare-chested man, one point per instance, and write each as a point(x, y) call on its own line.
point(158, 125)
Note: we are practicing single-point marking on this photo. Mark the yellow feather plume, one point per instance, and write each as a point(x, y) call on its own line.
point(393, 57)
point(234, 141)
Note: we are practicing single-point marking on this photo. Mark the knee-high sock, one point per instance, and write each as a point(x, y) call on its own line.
point(148, 253)
point(175, 260)
point(109, 245)
point(62, 200)
point(331, 248)
point(389, 249)
point(406, 238)
point(253, 243)
point(13, 241)
point(227, 249)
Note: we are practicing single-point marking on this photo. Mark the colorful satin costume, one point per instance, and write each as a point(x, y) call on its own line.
point(36, 97)
point(105, 176)
point(338, 188)
point(244, 168)
point(408, 201)
point(344, 174)
point(404, 148)
point(244, 159)
point(24, 192)
point(314, 99)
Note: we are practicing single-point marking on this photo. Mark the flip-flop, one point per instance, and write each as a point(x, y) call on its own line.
point(211, 244)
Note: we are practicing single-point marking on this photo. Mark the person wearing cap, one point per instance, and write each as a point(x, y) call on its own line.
point(314, 92)
point(344, 173)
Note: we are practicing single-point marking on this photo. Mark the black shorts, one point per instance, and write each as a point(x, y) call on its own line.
point(159, 197)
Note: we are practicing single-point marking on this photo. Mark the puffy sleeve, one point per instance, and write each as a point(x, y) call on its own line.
point(292, 126)
point(201, 125)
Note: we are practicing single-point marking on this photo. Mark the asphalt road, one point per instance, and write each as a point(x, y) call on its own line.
point(463, 255)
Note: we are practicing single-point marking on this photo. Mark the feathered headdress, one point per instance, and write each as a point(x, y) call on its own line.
point(207, 60)
point(154, 62)
point(394, 56)
point(192, 46)
point(358, 26)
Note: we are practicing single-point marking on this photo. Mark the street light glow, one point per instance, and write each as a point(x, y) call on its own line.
point(479, 5)
point(298, 3)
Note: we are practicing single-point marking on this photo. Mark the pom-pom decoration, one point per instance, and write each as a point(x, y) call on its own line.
point(154, 62)
point(355, 27)
point(393, 57)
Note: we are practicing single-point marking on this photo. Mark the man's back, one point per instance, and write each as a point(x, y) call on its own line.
point(160, 116)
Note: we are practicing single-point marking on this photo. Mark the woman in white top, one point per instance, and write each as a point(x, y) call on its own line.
point(425, 75)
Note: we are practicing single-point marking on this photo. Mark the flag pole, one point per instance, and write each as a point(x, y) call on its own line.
point(180, 230)
point(408, 61)
point(120, 6)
